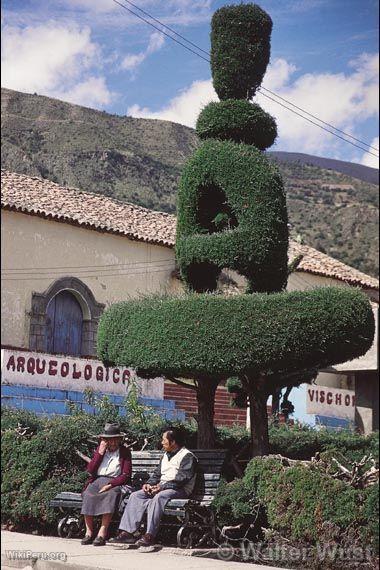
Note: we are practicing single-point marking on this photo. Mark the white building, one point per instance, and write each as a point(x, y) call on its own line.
point(67, 254)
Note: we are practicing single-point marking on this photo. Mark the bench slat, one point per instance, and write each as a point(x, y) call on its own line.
point(210, 465)
point(203, 462)
point(155, 460)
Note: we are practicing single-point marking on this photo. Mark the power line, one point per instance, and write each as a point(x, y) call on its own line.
point(33, 277)
point(315, 117)
point(84, 272)
point(157, 28)
point(320, 126)
point(263, 88)
point(167, 27)
point(86, 267)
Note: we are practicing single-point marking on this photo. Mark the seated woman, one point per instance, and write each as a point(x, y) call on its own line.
point(110, 467)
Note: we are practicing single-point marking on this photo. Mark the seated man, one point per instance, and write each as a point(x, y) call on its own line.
point(174, 478)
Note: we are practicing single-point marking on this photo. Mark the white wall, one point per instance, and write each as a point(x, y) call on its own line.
point(113, 267)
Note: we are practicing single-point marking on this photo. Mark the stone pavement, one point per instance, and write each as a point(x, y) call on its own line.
point(69, 554)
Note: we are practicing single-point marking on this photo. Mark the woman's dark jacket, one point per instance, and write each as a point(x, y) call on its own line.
point(125, 465)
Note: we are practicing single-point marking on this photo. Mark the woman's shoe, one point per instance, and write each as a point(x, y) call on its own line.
point(99, 541)
point(87, 540)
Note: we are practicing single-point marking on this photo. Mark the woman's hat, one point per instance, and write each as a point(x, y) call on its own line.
point(111, 430)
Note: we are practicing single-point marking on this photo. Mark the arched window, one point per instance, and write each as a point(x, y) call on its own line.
point(64, 323)
point(64, 319)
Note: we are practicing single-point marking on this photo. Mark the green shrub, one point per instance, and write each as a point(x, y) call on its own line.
point(298, 502)
point(370, 532)
point(234, 385)
point(234, 503)
point(282, 331)
point(239, 121)
point(231, 213)
point(41, 462)
point(35, 467)
point(240, 50)
point(303, 442)
point(239, 396)
point(299, 499)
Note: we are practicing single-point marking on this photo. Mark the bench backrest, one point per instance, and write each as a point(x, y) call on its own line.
point(210, 466)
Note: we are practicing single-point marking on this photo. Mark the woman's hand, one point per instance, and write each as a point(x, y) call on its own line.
point(103, 446)
point(105, 488)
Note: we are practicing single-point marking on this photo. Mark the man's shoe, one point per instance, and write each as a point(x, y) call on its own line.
point(99, 541)
point(123, 537)
point(87, 540)
point(146, 540)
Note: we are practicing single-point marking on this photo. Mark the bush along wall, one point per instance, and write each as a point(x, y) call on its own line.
point(304, 507)
point(38, 458)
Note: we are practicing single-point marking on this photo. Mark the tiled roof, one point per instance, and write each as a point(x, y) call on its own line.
point(46, 199)
point(318, 263)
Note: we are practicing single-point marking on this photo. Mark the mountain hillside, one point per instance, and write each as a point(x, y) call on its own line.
point(333, 205)
point(359, 171)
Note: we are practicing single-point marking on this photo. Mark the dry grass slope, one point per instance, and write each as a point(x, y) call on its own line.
point(140, 161)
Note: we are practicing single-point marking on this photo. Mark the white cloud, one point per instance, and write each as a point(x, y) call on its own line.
point(300, 6)
point(343, 100)
point(98, 6)
point(184, 108)
point(53, 60)
point(106, 13)
point(369, 159)
point(132, 61)
point(92, 92)
point(278, 74)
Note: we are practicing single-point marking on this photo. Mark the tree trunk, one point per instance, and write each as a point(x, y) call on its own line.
point(276, 395)
point(258, 397)
point(206, 406)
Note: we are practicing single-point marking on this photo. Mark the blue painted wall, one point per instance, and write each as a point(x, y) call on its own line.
point(47, 401)
point(333, 423)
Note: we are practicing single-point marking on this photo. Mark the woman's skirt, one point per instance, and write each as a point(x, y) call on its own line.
point(95, 503)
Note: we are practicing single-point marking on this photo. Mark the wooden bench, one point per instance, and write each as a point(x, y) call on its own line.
point(193, 516)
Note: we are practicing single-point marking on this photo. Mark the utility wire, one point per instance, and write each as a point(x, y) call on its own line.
point(84, 272)
point(320, 126)
point(263, 88)
point(159, 29)
point(167, 27)
point(34, 277)
point(87, 267)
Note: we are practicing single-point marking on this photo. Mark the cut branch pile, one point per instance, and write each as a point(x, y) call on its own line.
point(359, 475)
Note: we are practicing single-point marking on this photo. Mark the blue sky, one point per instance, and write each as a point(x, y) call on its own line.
point(94, 53)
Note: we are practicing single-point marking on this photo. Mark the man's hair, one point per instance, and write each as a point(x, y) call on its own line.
point(176, 435)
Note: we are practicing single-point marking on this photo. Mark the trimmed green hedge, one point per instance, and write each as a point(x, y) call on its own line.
point(201, 335)
point(299, 499)
point(305, 442)
point(237, 120)
point(231, 213)
point(38, 465)
point(41, 463)
point(298, 502)
point(240, 50)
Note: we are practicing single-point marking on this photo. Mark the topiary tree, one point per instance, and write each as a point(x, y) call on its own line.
point(232, 214)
